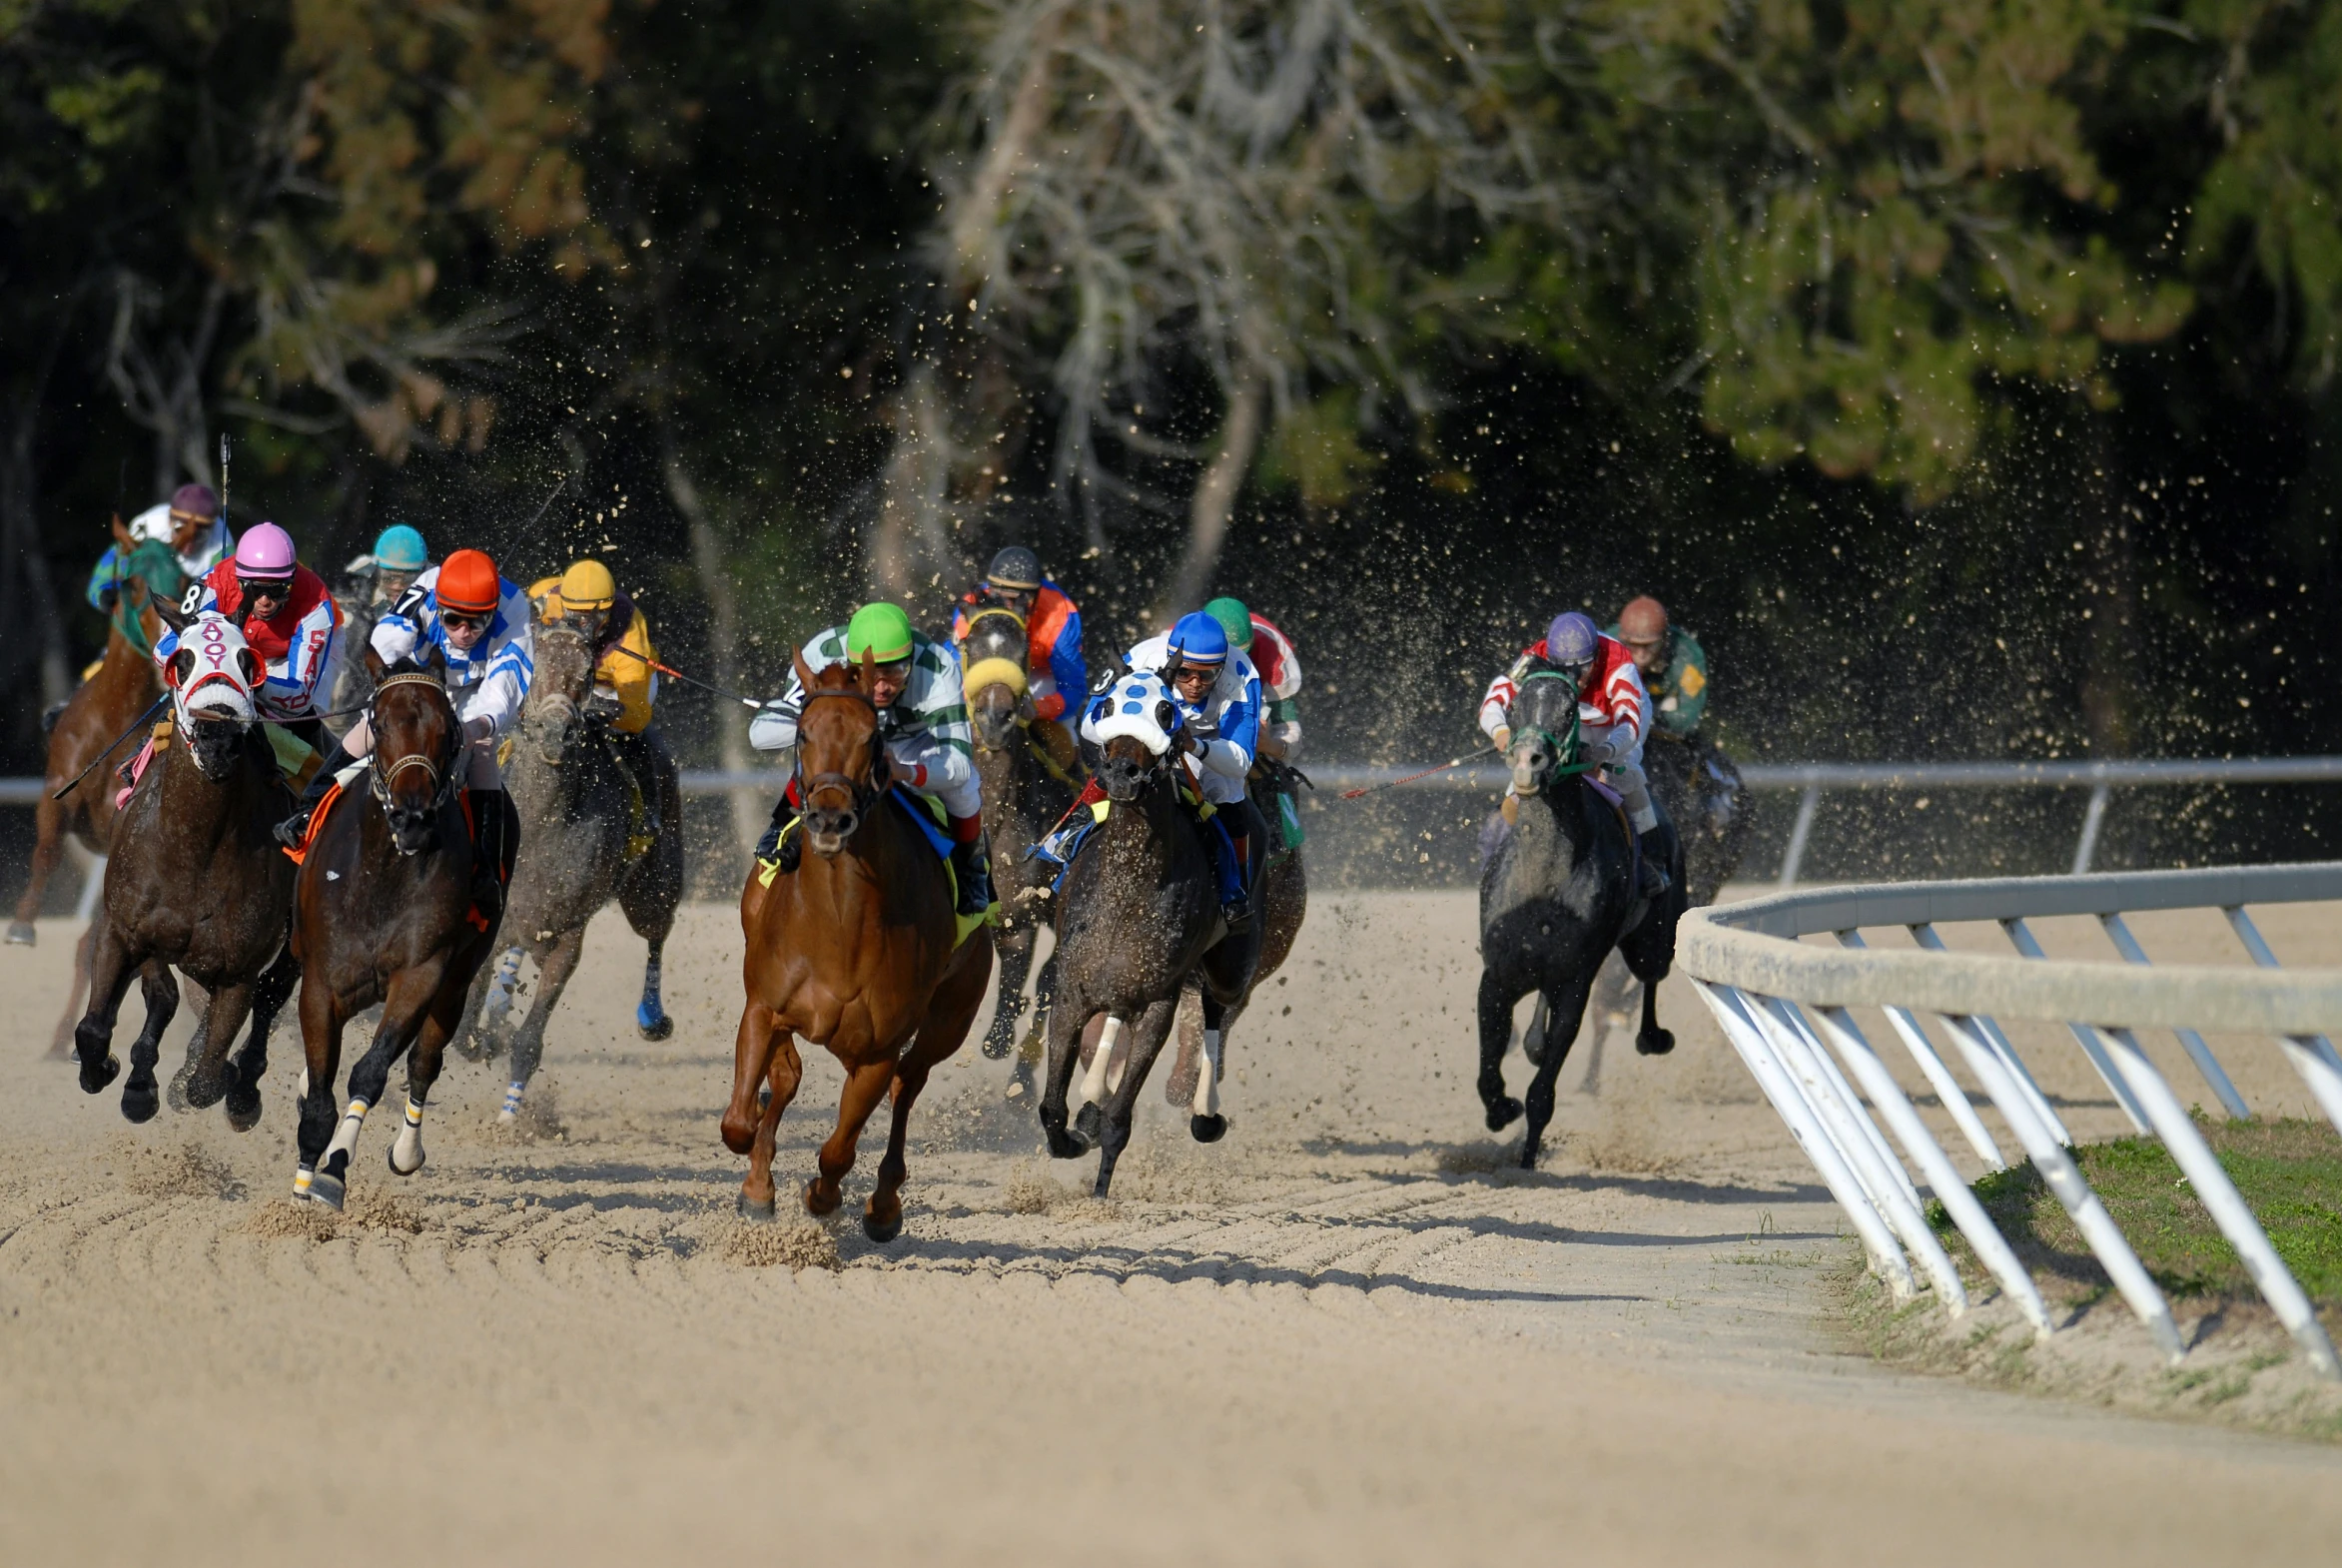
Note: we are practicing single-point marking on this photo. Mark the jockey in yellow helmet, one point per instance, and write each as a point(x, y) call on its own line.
point(625, 683)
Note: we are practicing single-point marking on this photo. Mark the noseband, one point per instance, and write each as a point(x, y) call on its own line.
point(440, 774)
point(862, 796)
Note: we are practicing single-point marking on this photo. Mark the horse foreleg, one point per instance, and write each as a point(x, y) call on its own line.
point(528, 1043)
point(866, 1085)
point(412, 993)
point(61, 1043)
point(1496, 1003)
point(487, 1009)
point(1065, 1053)
point(782, 1077)
point(1034, 1048)
point(752, 1050)
point(140, 1098)
point(1561, 1030)
point(1204, 1123)
point(1016, 954)
point(111, 970)
point(207, 1070)
point(648, 895)
point(1178, 1086)
point(423, 1071)
point(1100, 1037)
point(650, 1014)
point(1153, 1027)
point(252, 1063)
point(49, 825)
point(321, 1023)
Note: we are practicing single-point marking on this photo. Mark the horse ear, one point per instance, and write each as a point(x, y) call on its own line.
point(175, 616)
point(181, 667)
point(122, 534)
point(249, 663)
point(374, 666)
point(863, 677)
point(437, 664)
point(804, 675)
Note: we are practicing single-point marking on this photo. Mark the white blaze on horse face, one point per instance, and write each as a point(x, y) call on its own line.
point(215, 687)
point(406, 1153)
point(1094, 1089)
point(1207, 1079)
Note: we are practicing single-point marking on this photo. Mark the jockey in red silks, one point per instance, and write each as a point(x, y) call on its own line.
point(1053, 642)
point(1614, 716)
point(287, 619)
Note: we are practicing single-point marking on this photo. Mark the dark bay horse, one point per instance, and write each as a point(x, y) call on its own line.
point(125, 685)
point(1022, 796)
point(1284, 900)
point(382, 913)
point(196, 881)
point(577, 817)
point(858, 950)
point(1139, 916)
point(1556, 895)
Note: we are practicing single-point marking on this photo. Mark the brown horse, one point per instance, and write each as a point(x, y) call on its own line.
point(101, 708)
point(382, 913)
point(855, 950)
point(196, 881)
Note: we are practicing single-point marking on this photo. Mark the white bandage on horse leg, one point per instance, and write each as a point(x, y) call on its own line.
point(511, 1109)
point(1207, 1076)
point(1094, 1081)
point(303, 1176)
point(346, 1136)
point(406, 1153)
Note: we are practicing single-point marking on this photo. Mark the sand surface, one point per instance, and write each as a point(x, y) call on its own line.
point(1344, 1334)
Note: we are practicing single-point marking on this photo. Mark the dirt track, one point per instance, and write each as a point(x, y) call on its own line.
point(1345, 1335)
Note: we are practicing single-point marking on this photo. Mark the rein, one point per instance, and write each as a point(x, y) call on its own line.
point(1565, 745)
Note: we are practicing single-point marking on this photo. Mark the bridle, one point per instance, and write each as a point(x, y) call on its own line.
point(861, 796)
point(443, 775)
point(1565, 745)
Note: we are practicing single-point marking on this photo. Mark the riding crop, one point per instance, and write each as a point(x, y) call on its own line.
point(688, 680)
point(1452, 762)
point(68, 789)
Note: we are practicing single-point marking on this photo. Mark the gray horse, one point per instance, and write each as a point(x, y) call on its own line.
point(579, 825)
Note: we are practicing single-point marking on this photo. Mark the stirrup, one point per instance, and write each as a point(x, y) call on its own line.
point(1237, 912)
point(1654, 883)
point(295, 828)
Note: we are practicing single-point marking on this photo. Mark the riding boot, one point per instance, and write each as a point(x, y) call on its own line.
point(635, 754)
point(1652, 881)
point(295, 828)
point(487, 852)
point(779, 848)
point(971, 865)
point(1238, 910)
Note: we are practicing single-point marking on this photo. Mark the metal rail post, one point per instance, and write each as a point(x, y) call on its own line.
point(1992, 1248)
point(2021, 935)
point(2092, 820)
point(1794, 856)
point(1789, 1103)
point(2190, 1041)
point(2312, 1055)
point(1813, 1060)
point(1922, 1052)
point(2020, 1077)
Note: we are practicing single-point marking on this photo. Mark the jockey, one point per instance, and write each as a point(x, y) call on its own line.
point(1279, 668)
point(922, 713)
point(190, 522)
point(1052, 632)
point(478, 623)
point(1614, 714)
point(385, 573)
point(1673, 666)
point(1218, 693)
point(289, 621)
point(625, 683)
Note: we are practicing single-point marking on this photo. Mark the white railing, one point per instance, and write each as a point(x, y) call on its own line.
point(1784, 1006)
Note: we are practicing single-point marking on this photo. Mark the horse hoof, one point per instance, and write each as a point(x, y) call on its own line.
point(1208, 1129)
point(175, 1092)
point(1655, 1042)
point(22, 935)
point(997, 1047)
point(1503, 1112)
point(95, 1082)
point(1065, 1146)
point(139, 1103)
point(815, 1207)
point(328, 1190)
point(659, 1027)
point(200, 1092)
point(244, 1110)
point(882, 1231)
point(390, 1156)
point(749, 1208)
point(1089, 1122)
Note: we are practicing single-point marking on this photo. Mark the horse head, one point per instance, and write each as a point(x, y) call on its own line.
point(1133, 722)
point(992, 656)
point(553, 713)
point(418, 747)
point(841, 757)
point(1544, 720)
point(212, 678)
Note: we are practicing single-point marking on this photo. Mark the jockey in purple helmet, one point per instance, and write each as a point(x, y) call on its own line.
point(1614, 714)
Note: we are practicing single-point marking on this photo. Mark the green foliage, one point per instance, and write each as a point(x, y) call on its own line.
point(1317, 452)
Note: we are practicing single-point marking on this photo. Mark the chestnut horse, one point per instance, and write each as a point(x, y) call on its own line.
point(101, 708)
point(858, 950)
point(382, 913)
point(196, 881)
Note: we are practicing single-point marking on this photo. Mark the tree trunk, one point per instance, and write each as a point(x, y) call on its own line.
point(1216, 495)
point(723, 640)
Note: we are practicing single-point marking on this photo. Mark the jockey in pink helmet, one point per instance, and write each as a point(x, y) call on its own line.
point(288, 618)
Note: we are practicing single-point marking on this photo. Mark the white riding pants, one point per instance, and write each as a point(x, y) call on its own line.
point(1625, 775)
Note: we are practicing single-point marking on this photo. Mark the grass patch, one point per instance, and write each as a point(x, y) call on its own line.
point(2289, 1173)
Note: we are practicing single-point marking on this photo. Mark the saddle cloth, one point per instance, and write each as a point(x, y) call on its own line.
point(928, 817)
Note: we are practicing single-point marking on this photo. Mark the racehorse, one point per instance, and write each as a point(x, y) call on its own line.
point(382, 913)
point(101, 708)
point(1556, 895)
point(1139, 915)
point(858, 950)
point(196, 881)
point(1285, 902)
point(577, 814)
point(1023, 794)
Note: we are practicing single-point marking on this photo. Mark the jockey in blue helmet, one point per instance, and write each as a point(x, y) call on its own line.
point(1614, 714)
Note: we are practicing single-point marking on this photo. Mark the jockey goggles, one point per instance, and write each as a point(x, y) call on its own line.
point(466, 620)
point(277, 588)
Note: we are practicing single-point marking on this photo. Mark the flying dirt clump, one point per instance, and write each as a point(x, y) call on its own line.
point(380, 1213)
point(801, 1246)
point(185, 1172)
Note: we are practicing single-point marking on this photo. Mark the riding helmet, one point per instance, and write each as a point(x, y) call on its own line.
point(1016, 568)
point(1234, 619)
point(400, 549)
point(1643, 620)
point(264, 554)
point(1571, 642)
point(469, 583)
point(195, 503)
point(881, 630)
point(588, 585)
point(1199, 639)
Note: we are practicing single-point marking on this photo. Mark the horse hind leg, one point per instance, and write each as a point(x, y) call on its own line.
point(529, 1042)
point(1097, 1082)
point(1495, 1013)
point(206, 1074)
point(321, 1024)
point(1066, 1027)
point(252, 1063)
point(1651, 1039)
point(1016, 954)
point(866, 1084)
point(1204, 1123)
point(1569, 1013)
point(50, 843)
point(951, 1012)
point(490, 1010)
point(1033, 1050)
point(406, 1154)
point(140, 1097)
point(650, 1014)
point(111, 973)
